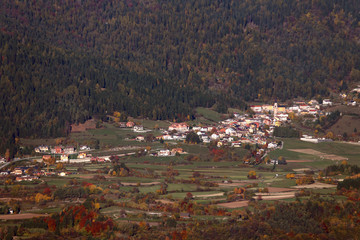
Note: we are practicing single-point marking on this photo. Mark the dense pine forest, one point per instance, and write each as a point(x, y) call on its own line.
point(63, 62)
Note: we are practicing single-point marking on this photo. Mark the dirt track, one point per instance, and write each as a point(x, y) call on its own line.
point(316, 185)
point(231, 184)
point(237, 204)
point(277, 197)
point(21, 216)
point(209, 195)
point(298, 161)
point(141, 184)
point(165, 201)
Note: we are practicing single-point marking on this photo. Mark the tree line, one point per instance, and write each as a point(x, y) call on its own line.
point(65, 63)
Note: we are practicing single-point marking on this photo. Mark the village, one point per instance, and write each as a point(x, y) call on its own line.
point(253, 128)
point(180, 172)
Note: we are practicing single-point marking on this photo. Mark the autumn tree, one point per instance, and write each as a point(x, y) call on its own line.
point(251, 174)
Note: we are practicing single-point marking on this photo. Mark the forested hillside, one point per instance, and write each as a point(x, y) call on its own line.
point(66, 61)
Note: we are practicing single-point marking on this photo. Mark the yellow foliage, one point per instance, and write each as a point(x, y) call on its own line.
point(9, 181)
point(7, 154)
point(41, 197)
point(355, 176)
point(329, 135)
point(117, 114)
point(239, 190)
point(305, 180)
point(59, 166)
point(290, 176)
point(93, 188)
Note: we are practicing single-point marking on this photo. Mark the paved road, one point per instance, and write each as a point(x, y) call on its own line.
point(17, 160)
point(30, 158)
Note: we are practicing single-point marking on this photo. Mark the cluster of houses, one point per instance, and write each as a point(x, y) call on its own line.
point(64, 152)
point(256, 128)
point(312, 139)
point(352, 98)
point(60, 149)
point(23, 173)
point(232, 132)
point(281, 112)
point(167, 152)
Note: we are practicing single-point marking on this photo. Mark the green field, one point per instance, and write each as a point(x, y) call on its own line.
point(208, 114)
point(352, 152)
point(151, 124)
point(110, 136)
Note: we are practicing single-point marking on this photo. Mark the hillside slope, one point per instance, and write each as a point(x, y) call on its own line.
point(65, 61)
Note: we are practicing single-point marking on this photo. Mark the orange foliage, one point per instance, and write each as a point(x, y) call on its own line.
point(239, 190)
point(290, 176)
point(305, 180)
point(252, 175)
point(51, 224)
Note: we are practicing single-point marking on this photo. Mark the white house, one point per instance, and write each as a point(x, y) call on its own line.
point(294, 108)
point(164, 153)
point(214, 136)
point(180, 127)
point(140, 138)
point(236, 144)
point(64, 158)
point(69, 150)
point(83, 148)
point(230, 131)
point(138, 128)
point(256, 108)
point(178, 137)
point(167, 137)
point(204, 129)
point(282, 116)
point(41, 148)
point(327, 102)
point(272, 145)
point(196, 128)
